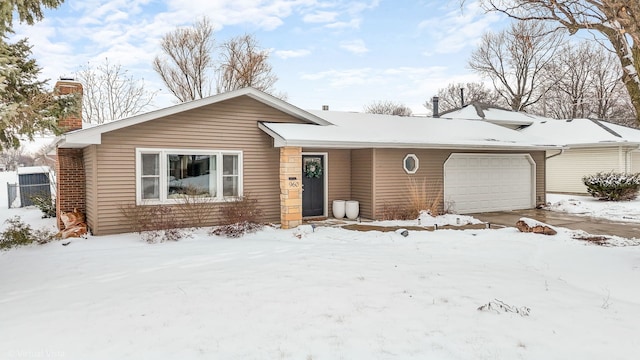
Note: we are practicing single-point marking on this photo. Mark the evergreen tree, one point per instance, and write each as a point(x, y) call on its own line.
point(25, 106)
point(29, 11)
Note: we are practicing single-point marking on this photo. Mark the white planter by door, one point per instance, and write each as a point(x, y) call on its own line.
point(339, 208)
point(352, 209)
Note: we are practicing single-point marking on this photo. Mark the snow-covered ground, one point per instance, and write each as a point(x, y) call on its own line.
point(323, 293)
point(588, 206)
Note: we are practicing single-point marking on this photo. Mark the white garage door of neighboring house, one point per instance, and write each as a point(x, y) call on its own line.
point(489, 182)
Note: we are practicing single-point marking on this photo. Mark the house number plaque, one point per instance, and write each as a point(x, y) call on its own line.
point(294, 183)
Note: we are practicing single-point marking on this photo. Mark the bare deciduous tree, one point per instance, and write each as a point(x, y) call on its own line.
point(186, 64)
point(387, 107)
point(611, 99)
point(450, 98)
point(517, 61)
point(243, 63)
point(572, 74)
point(42, 158)
point(617, 20)
point(110, 93)
point(586, 85)
point(15, 157)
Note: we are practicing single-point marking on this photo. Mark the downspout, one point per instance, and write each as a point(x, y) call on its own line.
point(554, 155)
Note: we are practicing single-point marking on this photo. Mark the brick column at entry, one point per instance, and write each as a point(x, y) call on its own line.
point(70, 182)
point(290, 187)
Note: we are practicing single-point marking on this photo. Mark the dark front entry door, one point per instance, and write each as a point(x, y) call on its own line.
point(313, 169)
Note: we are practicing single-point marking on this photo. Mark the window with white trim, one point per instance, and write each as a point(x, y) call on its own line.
point(164, 175)
point(410, 163)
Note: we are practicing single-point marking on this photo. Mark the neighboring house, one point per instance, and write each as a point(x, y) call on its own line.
point(247, 141)
point(590, 146)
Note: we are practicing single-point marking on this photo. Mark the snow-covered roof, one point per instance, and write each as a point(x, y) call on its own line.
point(493, 114)
point(358, 130)
point(93, 135)
point(33, 170)
point(343, 129)
point(584, 133)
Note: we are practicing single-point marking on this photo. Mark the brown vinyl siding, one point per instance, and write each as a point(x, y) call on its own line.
point(89, 156)
point(339, 172)
point(392, 182)
point(229, 125)
point(362, 180)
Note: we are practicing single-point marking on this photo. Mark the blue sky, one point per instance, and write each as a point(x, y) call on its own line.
point(344, 54)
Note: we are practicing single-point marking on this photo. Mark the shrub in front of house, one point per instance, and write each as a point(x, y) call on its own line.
point(613, 186)
point(396, 212)
point(18, 233)
point(154, 223)
point(423, 196)
point(239, 217)
point(420, 196)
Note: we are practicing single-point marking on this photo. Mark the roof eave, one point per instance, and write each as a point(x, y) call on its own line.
point(629, 144)
point(280, 142)
point(78, 139)
point(510, 122)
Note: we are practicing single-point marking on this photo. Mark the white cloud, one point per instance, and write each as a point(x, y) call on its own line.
point(457, 29)
point(261, 14)
point(356, 7)
point(286, 54)
point(355, 46)
point(368, 75)
point(350, 89)
point(320, 17)
point(339, 25)
point(340, 14)
point(344, 78)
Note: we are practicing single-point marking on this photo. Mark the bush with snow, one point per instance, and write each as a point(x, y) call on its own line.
point(236, 230)
point(613, 186)
point(19, 233)
point(154, 223)
point(239, 216)
point(45, 203)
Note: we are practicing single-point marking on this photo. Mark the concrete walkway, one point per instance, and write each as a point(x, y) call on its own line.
point(594, 226)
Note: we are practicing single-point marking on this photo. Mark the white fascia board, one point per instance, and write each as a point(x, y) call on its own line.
point(360, 145)
point(278, 141)
point(603, 144)
point(80, 139)
point(509, 122)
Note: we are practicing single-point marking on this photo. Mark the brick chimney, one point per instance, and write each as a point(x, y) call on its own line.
point(70, 173)
point(66, 86)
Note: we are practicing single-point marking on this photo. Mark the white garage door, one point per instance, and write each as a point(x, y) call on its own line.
point(489, 182)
